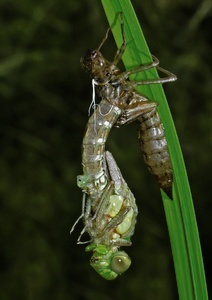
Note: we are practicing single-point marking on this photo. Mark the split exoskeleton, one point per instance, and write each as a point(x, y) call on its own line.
point(102, 183)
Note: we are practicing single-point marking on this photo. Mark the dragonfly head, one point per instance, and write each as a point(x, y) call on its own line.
point(108, 261)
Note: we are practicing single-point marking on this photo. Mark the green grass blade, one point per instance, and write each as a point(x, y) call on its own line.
point(180, 213)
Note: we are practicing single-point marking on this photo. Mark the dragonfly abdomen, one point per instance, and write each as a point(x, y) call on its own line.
point(93, 147)
point(155, 150)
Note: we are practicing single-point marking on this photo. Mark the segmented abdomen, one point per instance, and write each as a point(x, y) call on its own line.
point(155, 150)
point(93, 147)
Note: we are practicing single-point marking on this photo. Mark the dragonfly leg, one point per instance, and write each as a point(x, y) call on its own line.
point(82, 214)
point(118, 219)
point(140, 68)
point(135, 110)
point(120, 51)
point(100, 210)
point(86, 215)
point(143, 67)
point(114, 171)
point(123, 219)
point(104, 39)
point(170, 77)
point(91, 220)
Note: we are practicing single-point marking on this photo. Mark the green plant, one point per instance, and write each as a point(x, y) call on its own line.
point(180, 213)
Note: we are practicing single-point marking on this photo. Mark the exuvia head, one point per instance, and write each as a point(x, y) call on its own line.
point(93, 62)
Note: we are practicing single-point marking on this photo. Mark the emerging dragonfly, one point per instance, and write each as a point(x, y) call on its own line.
point(115, 88)
point(110, 224)
point(109, 209)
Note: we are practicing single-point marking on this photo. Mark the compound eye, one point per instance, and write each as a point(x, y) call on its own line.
point(120, 262)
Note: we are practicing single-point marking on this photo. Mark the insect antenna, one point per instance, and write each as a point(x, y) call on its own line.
point(169, 78)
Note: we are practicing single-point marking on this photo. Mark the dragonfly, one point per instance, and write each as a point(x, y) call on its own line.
point(108, 208)
point(114, 86)
point(110, 224)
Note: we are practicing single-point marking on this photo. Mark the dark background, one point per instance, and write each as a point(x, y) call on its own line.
point(44, 100)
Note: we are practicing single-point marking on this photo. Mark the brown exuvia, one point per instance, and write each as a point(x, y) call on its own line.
point(113, 86)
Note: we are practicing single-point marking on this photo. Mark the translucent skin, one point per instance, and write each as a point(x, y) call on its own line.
point(95, 177)
point(114, 86)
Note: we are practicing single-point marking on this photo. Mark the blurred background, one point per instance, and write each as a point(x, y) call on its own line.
point(44, 100)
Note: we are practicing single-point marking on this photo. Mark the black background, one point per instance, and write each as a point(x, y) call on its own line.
point(44, 100)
